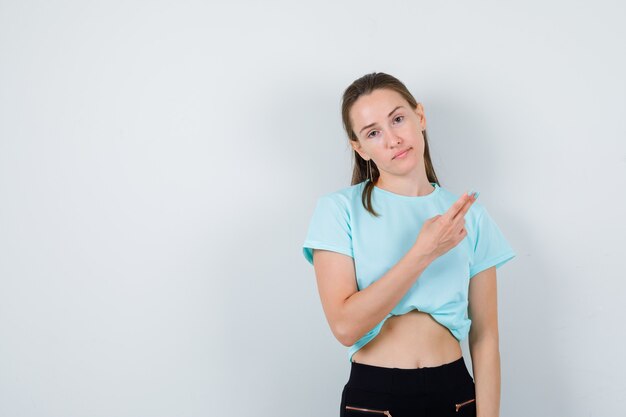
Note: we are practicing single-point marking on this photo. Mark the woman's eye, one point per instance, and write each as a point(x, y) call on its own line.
point(399, 117)
point(370, 134)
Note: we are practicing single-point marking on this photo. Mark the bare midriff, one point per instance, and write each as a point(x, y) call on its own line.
point(411, 340)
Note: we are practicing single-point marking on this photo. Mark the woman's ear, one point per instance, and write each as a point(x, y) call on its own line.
point(357, 147)
point(419, 111)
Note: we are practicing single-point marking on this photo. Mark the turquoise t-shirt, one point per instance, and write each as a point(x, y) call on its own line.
point(341, 224)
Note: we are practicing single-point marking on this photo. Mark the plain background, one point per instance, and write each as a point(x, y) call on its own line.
point(160, 160)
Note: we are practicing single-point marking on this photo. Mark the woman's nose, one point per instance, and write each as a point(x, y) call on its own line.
point(393, 140)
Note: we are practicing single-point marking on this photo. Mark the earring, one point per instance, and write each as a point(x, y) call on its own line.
point(369, 170)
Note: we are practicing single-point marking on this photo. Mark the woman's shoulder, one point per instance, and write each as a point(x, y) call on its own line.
point(345, 194)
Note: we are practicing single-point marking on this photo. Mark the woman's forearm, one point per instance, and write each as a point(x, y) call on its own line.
point(368, 307)
point(485, 353)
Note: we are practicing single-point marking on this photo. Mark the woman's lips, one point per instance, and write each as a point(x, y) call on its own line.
point(403, 154)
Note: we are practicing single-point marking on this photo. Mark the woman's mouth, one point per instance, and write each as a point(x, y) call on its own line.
point(402, 155)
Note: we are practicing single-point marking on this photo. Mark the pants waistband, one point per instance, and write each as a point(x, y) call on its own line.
point(409, 380)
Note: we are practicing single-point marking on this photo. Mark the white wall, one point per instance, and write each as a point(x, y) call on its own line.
point(159, 162)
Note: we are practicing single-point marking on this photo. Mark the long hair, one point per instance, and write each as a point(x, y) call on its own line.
point(365, 85)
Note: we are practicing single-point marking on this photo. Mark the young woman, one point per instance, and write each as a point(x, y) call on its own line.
point(404, 267)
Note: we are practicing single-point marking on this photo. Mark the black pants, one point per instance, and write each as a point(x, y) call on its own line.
point(439, 391)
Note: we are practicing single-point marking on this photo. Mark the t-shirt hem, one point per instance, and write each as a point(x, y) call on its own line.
point(497, 262)
point(308, 247)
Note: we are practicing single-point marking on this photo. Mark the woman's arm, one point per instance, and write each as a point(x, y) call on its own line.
point(484, 342)
point(352, 313)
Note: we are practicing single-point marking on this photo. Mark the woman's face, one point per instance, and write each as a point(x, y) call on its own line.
point(385, 124)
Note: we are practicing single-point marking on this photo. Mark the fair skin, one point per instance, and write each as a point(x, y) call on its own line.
point(415, 339)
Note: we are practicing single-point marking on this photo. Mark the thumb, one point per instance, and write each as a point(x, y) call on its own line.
point(433, 219)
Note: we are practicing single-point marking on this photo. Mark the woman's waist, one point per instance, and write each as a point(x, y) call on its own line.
point(411, 340)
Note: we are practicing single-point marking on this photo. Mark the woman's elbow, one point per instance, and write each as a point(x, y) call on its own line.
point(484, 336)
point(344, 334)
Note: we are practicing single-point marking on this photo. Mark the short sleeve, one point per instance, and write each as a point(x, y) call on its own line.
point(329, 228)
point(490, 247)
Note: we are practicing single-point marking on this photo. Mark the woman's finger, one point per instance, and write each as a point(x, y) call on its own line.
point(464, 208)
point(457, 206)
